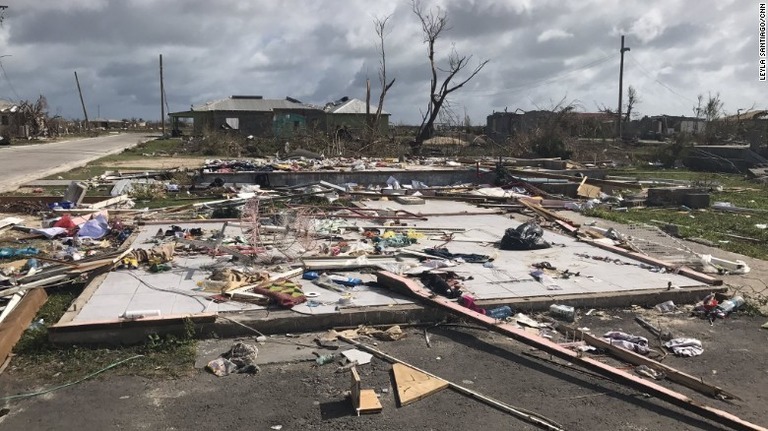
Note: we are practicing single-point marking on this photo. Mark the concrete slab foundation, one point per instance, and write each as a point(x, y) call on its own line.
point(599, 278)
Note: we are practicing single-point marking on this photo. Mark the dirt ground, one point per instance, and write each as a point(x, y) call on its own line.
point(160, 163)
point(303, 396)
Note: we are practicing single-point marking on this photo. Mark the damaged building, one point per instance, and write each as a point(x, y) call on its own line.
point(277, 118)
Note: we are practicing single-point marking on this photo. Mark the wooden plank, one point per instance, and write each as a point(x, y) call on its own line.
point(547, 214)
point(111, 201)
point(33, 285)
point(416, 290)
point(682, 270)
point(369, 402)
point(695, 383)
point(354, 390)
point(364, 401)
point(413, 385)
point(19, 319)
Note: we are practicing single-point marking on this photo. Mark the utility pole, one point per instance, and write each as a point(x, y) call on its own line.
point(85, 113)
point(162, 97)
point(621, 83)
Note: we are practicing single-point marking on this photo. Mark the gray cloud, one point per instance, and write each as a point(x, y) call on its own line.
point(320, 50)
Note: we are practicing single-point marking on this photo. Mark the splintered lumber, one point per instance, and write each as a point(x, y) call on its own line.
point(547, 214)
point(15, 299)
point(413, 385)
point(33, 285)
point(364, 401)
point(416, 290)
point(687, 380)
point(19, 319)
point(528, 416)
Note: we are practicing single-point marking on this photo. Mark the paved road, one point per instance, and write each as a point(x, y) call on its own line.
point(24, 163)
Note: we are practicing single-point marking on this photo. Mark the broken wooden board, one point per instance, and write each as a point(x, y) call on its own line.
point(19, 319)
point(364, 401)
point(413, 385)
point(109, 202)
point(588, 191)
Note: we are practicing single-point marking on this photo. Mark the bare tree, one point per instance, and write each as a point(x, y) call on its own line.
point(34, 116)
point(380, 25)
point(632, 101)
point(710, 111)
point(373, 122)
point(433, 23)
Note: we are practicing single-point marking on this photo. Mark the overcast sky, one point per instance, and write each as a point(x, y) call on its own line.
point(320, 50)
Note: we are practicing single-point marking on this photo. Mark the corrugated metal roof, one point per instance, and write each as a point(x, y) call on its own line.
point(755, 114)
point(248, 104)
point(8, 106)
point(353, 106)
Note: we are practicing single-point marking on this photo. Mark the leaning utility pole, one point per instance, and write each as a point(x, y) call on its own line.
point(621, 83)
point(82, 102)
point(162, 97)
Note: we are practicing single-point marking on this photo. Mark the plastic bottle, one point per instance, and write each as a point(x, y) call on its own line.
point(565, 312)
point(729, 305)
point(325, 359)
point(310, 275)
point(346, 281)
point(499, 313)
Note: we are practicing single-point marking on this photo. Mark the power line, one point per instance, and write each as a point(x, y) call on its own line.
point(5, 75)
point(549, 80)
point(648, 74)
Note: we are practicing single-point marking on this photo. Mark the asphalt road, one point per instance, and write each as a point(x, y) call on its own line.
point(23, 163)
point(303, 396)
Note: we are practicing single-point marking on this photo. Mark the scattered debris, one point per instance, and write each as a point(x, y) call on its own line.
point(354, 355)
point(413, 385)
point(685, 346)
point(240, 358)
point(364, 401)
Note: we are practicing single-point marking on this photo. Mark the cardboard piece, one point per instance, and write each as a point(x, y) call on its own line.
point(413, 385)
point(364, 401)
point(588, 191)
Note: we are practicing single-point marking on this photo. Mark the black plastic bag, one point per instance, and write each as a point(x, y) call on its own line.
point(527, 236)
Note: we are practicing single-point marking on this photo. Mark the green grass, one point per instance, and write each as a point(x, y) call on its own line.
point(37, 358)
point(138, 154)
point(706, 223)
